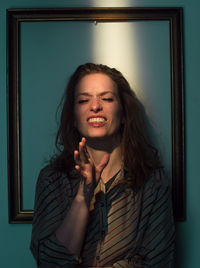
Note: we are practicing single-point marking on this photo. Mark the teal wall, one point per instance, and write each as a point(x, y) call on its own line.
point(15, 238)
point(49, 53)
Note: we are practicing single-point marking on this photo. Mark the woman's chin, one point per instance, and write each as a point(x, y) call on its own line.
point(103, 138)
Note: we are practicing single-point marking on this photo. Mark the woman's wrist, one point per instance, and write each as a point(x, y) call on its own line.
point(85, 193)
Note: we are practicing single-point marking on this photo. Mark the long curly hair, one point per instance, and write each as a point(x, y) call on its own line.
point(140, 158)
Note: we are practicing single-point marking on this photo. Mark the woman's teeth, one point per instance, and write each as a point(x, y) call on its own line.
point(96, 120)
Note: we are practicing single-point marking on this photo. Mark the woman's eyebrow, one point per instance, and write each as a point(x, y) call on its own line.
point(106, 92)
point(89, 95)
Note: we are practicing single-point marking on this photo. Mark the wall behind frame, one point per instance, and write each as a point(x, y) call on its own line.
point(14, 245)
point(50, 53)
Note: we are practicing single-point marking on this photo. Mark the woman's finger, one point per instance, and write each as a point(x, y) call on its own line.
point(76, 157)
point(87, 154)
point(77, 167)
point(83, 151)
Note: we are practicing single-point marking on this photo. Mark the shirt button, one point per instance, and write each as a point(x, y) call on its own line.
point(97, 258)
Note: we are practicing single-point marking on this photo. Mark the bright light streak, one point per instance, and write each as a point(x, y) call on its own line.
point(140, 50)
point(112, 44)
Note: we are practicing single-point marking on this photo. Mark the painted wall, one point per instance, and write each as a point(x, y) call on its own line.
point(15, 238)
point(50, 51)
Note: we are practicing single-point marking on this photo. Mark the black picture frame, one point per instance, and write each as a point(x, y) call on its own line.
point(17, 16)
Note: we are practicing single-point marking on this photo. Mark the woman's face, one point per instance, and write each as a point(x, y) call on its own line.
point(97, 108)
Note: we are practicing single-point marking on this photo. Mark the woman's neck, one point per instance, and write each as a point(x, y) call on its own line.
point(97, 149)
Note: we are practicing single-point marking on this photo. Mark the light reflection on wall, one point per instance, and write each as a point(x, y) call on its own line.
point(112, 44)
point(141, 51)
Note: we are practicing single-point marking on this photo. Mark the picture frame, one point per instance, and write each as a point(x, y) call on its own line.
point(16, 17)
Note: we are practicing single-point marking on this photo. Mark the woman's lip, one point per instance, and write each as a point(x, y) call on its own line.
point(96, 124)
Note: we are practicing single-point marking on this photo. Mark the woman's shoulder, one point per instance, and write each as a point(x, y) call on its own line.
point(158, 181)
point(51, 175)
point(157, 190)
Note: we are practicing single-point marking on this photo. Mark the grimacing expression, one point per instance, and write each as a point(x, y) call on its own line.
point(97, 108)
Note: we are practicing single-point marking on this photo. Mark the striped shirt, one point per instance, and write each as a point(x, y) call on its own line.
point(125, 229)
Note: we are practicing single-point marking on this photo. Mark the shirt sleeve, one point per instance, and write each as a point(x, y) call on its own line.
point(157, 244)
point(52, 200)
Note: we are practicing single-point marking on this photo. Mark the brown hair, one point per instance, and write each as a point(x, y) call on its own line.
point(140, 157)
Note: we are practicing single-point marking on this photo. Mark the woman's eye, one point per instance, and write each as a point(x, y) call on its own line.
point(82, 101)
point(108, 99)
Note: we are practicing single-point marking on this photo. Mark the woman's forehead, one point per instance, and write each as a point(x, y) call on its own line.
point(97, 83)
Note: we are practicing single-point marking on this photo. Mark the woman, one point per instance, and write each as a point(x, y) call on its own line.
point(103, 201)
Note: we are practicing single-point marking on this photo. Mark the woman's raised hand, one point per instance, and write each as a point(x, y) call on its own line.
point(86, 167)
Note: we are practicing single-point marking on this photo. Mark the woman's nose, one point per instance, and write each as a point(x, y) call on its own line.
point(96, 105)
